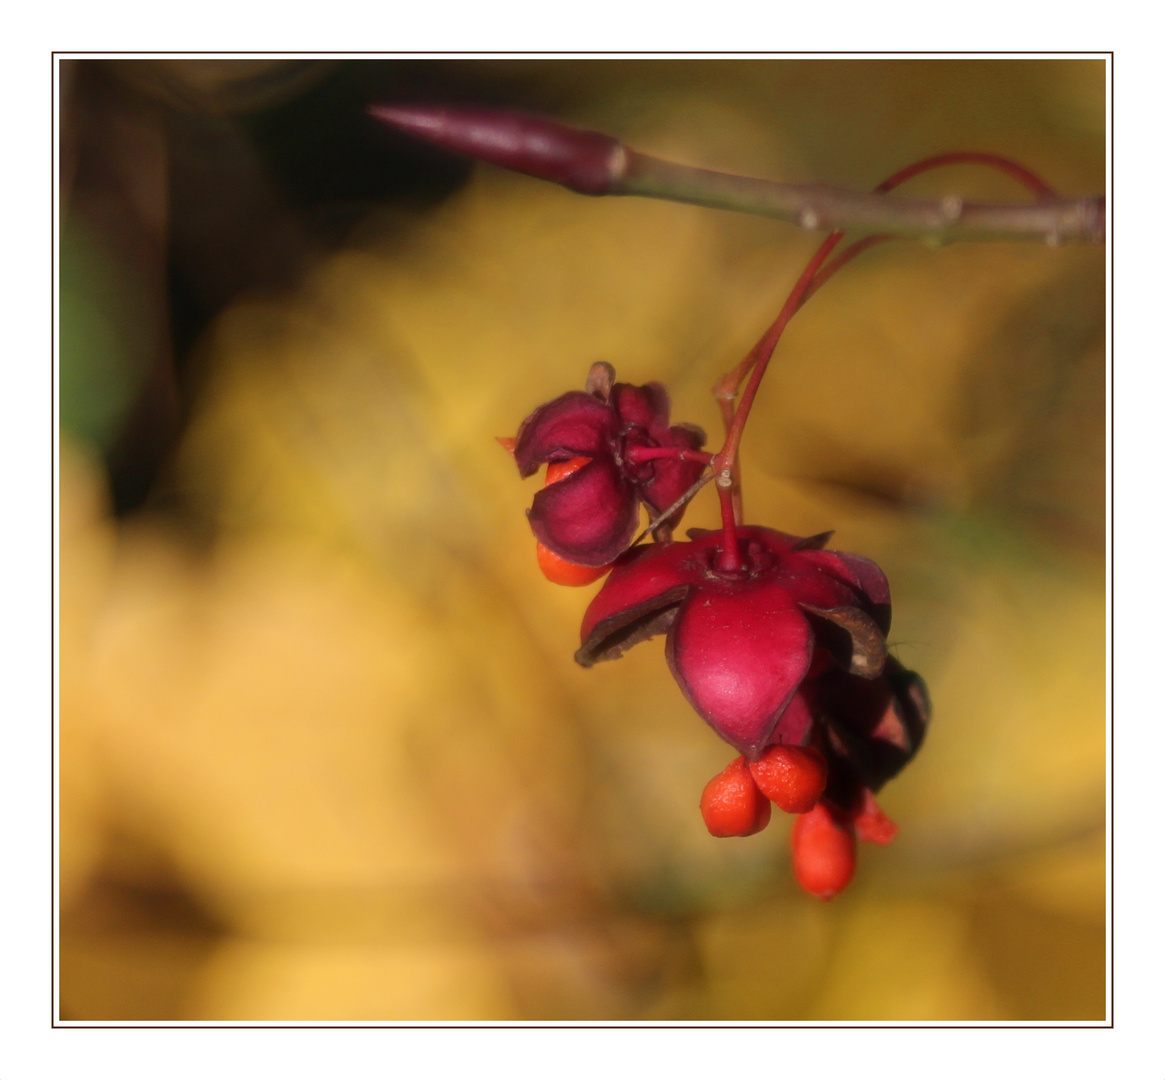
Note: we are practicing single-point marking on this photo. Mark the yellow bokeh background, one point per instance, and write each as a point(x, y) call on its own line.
point(328, 758)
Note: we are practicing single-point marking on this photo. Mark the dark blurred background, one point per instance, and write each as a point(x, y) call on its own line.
point(324, 753)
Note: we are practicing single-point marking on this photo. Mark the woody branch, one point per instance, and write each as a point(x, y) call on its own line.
point(595, 164)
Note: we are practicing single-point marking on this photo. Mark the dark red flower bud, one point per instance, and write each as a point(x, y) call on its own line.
point(584, 161)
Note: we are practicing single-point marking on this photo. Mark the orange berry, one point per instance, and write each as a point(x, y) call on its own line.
point(823, 852)
point(561, 572)
point(792, 776)
point(560, 470)
point(732, 804)
point(871, 824)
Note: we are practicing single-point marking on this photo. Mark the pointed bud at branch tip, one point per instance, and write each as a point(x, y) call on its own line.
point(584, 161)
point(592, 163)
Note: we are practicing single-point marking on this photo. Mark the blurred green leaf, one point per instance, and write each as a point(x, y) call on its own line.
point(101, 350)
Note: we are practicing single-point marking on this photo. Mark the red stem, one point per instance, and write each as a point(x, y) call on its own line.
point(639, 454)
point(845, 256)
point(971, 157)
point(816, 274)
point(724, 464)
point(965, 157)
point(763, 350)
point(729, 558)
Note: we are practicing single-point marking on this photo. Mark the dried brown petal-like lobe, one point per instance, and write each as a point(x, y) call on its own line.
point(852, 636)
point(600, 379)
point(874, 726)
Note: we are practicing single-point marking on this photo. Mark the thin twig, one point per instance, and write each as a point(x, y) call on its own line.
point(821, 207)
point(661, 518)
point(596, 164)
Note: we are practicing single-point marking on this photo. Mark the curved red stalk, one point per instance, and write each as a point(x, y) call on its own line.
point(816, 274)
point(971, 157)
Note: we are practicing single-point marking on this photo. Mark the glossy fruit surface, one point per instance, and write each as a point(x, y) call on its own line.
point(792, 776)
point(823, 852)
point(871, 825)
point(558, 570)
point(560, 470)
point(732, 804)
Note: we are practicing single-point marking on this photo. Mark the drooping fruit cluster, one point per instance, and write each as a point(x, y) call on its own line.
point(865, 738)
point(781, 647)
point(778, 643)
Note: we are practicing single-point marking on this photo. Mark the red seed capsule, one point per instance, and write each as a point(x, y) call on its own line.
point(823, 852)
point(732, 804)
point(792, 776)
point(554, 567)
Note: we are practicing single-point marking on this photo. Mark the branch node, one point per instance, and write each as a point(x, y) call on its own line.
point(952, 208)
